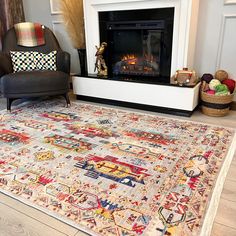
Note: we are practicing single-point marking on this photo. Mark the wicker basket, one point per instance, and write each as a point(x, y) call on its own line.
point(216, 105)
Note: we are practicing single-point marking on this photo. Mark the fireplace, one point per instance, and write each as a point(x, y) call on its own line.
point(139, 43)
point(163, 36)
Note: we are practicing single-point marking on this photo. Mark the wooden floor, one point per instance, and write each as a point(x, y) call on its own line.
point(17, 219)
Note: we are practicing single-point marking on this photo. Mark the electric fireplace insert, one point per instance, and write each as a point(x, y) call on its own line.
point(139, 44)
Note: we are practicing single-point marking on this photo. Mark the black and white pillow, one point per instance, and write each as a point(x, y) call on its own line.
point(45, 61)
point(22, 61)
point(32, 60)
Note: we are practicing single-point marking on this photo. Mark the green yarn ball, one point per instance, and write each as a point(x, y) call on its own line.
point(222, 93)
point(221, 88)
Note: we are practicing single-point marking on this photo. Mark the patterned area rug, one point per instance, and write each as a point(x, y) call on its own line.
point(112, 172)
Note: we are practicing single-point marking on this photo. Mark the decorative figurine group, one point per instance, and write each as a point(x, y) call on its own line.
point(100, 64)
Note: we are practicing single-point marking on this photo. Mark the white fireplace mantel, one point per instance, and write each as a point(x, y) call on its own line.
point(184, 33)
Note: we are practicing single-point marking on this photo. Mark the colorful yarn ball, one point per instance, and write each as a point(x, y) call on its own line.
point(221, 75)
point(211, 92)
point(221, 88)
point(214, 83)
point(207, 78)
point(222, 93)
point(230, 83)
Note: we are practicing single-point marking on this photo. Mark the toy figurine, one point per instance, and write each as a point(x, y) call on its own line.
point(184, 77)
point(100, 64)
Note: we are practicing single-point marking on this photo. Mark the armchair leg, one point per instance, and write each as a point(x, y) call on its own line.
point(66, 96)
point(9, 102)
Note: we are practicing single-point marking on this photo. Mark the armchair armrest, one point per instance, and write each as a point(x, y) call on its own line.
point(63, 61)
point(5, 64)
point(2, 72)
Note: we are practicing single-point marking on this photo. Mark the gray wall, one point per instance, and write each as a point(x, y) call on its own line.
point(40, 11)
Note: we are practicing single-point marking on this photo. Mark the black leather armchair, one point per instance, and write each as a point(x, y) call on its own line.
point(33, 83)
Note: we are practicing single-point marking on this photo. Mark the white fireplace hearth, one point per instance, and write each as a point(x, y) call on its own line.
point(183, 48)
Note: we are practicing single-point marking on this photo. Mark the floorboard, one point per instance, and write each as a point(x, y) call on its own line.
point(229, 191)
point(36, 215)
point(14, 223)
point(222, 230)
point(226, 213)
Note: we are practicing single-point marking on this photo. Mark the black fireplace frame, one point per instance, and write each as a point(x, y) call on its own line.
point(149, 19)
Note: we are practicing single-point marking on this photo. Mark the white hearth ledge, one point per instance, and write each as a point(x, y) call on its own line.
point(175, 97)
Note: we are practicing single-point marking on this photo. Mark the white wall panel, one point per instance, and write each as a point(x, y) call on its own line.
point(227, 48)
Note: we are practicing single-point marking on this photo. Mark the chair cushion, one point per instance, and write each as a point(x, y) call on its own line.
point(30, 83)
point(32, 60)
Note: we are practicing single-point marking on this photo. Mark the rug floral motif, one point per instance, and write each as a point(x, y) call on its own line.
point(111, 172)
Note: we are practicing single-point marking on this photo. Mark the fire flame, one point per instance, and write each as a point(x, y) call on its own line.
point(131, 59)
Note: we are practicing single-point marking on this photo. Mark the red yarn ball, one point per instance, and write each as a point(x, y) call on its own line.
point(211, 92)
point(230, 83)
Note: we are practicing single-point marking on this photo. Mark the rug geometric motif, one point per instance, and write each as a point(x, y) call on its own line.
point(111, 172)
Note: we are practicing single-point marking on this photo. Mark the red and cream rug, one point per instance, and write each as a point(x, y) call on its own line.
point(113, 172)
